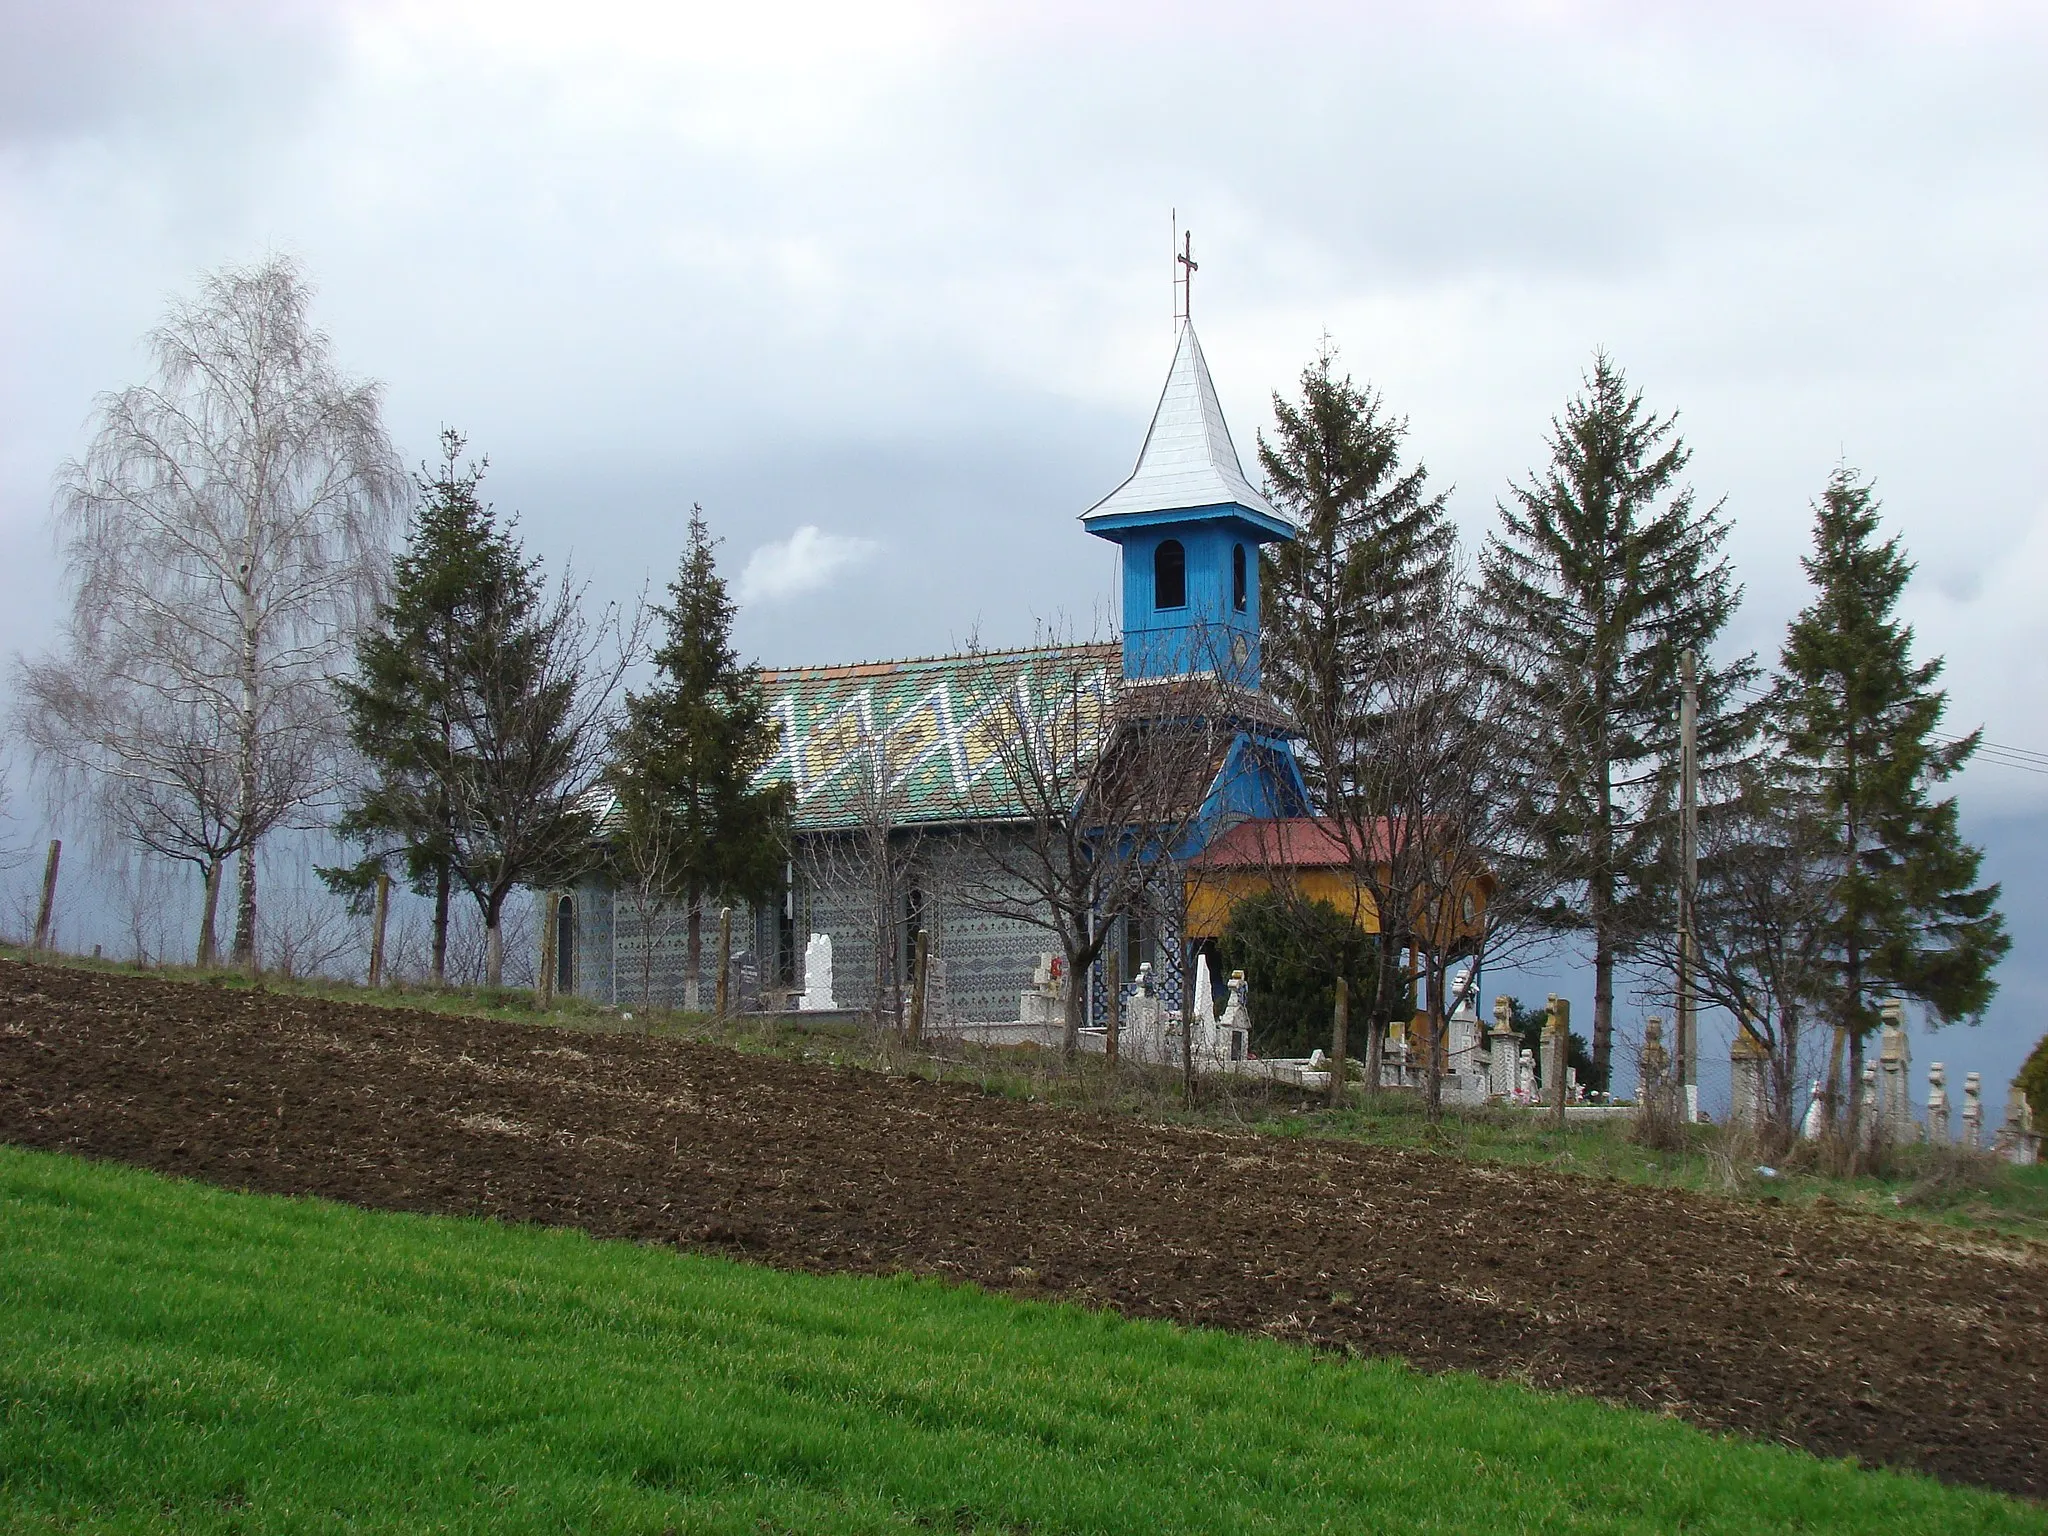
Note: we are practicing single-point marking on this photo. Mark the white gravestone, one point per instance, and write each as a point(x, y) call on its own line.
point(1816, 1113)
point(817, 996)
point(1973, 1112)
point(1205, 994)
point(1235, 1027)
point(1144, 1020)
point(1466, 1047)
point(1043, 1003)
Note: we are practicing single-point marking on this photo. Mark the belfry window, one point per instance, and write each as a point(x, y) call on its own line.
point(1237, 577)
point(1169, 575)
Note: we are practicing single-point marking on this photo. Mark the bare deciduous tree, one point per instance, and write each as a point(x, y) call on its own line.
point(224, 534)
point(871, 860)
point(1414, 740)
point(530, 738)
point(1092, 785)
point(1770, 882)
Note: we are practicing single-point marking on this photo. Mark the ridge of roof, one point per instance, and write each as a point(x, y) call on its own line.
point(1188, 459)
point(850, 669)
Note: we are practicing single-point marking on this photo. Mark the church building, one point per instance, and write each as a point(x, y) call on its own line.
point(897, 771)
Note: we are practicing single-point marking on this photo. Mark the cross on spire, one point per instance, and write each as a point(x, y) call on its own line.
point(1185, 267)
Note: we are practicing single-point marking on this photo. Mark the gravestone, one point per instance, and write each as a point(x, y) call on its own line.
point(1503, 1047)
point(1043, 1003)
point(1653, 1072)
point(1816, 1113)
point(1747, 1059)
point(1467, 1055)
point(1894, 1096)
point(2018, 1142)
point(817, 996)
point(1937, 1105)
point(1205, 994)
point(1234, 1029)
point(1973, 1112)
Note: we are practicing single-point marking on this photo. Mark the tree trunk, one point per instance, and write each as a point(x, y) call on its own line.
point(1073, 1009)
point(208, 945)
point(1435, 1043)
point(1187, 1020)
point(544, 982)
point(245, 909)
point(443, 883)
point(1600, 899)
point(695, 961)
point(1340, 1041)
point(913, 1031)
point(245, 809)
point(494, 942)
point(721, 989)
point(378, 916)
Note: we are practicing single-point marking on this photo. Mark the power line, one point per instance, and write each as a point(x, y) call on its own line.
point(2025, 759)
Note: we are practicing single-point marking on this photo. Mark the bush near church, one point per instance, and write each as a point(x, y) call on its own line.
point(1291, 959)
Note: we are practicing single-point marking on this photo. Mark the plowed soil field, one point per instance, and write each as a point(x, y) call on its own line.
point(1843, 1335)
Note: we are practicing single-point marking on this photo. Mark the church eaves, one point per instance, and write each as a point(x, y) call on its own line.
point(1188, 460)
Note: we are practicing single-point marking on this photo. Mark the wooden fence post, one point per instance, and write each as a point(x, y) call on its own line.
point(1340, 1041)
point(46, 913)
point(1113, 1037)
point(544, 984)
point(381, 912)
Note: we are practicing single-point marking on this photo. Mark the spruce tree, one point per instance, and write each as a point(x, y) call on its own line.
point(1342, 607)
point(1603, 573)
point(1337, 597)
point(483, 710)
point(1855, 722)
point(412, 668)
point(685, 763)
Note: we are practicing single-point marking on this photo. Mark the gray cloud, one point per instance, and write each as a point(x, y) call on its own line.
point(115, 67)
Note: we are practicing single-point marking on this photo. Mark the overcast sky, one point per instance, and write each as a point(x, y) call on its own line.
point(885, 287)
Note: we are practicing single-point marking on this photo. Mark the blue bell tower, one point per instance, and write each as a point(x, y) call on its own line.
point(1189, 525)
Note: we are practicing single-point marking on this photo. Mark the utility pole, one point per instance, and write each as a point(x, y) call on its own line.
point(1688, 881)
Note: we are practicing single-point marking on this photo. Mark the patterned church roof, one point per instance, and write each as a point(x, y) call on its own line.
point(936, 724)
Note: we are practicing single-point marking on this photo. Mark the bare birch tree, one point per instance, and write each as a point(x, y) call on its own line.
point(223, 536)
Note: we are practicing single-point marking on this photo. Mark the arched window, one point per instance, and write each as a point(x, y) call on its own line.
point(565, 946)
point(1169, 575)
point(1237, 577)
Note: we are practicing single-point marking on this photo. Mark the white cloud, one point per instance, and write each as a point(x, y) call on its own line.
point(804, 562)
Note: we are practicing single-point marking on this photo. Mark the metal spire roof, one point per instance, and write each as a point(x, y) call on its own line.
point(1188, 459)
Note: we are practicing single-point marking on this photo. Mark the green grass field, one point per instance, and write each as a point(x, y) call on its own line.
point(179, 1358)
